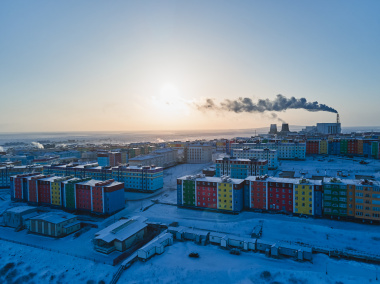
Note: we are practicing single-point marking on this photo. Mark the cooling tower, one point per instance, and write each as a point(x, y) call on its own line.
point(273, 129)
point(285, 127)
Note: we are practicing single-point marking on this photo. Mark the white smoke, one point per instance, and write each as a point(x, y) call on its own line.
point(38, 145)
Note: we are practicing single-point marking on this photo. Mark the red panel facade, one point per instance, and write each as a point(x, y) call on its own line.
point(97, 199)
point(32, 190)
point(280, 196)
point(207, 194)
point(258, 195)
point(18, 188)
point(83, 196)
point(352, 147)
point(312, 147)
point(43, 191)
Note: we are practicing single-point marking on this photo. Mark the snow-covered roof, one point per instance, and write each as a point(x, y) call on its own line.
point(157, 241)
point(216, 234)
point(55, 218)
point(220, 179)
point(122, 229)
point(72, 224)
point(53, 178)
point(237, 238)
point(20, 209)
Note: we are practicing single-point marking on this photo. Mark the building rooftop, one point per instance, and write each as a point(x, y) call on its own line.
point(20, 209)
point(55, 218)
point(122, 229)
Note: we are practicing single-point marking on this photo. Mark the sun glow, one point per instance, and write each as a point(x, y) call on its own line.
point(170, 100)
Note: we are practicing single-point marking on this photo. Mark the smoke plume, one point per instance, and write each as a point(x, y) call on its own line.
point(280, 103)
point(38, 145)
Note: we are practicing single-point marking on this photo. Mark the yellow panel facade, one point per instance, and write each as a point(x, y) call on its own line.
point(303, 198)
point(323, 147)
point(360, 147)
point(225, 196)
point(56, 193)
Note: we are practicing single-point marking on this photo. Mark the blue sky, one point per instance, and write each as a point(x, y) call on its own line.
point(142, 65)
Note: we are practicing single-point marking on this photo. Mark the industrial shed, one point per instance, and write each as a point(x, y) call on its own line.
point(300, 253)
point(54, 224)
point(185, 233)
point(216, 238)
point(177, 232)
point(156, 246)
point(238, 242)
point(262, 245)
point(120, 235)
point(17, 216)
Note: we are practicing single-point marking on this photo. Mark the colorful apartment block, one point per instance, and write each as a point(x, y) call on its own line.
point(260, 154)
point(101, 197)
point(145, 178)
point(367, 200)
point(217, 193)
point(6, 172)
point(240, 168)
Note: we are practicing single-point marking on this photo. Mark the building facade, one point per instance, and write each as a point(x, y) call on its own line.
point(260, 154)
point(240, 168)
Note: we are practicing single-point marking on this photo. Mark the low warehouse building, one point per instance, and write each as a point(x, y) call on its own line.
point(121, 235)
point(238, 242)
point(262, 245)
point(15, 217)
point(54, 224)
point(216, 238)
point(157, 246)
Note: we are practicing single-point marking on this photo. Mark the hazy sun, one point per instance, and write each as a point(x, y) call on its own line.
point(169, 99)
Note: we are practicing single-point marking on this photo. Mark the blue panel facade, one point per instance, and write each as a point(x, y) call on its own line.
point(318, 201)
point(179, 193)
point(367, 149)
point(246, 190)
point(104, 161)
point(114, 201)
point(238, 200)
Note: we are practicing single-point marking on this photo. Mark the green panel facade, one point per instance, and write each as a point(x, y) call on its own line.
point(189, 192)
point(70, 197)
point(335, 199)
point(375, 149)
point(343, 146)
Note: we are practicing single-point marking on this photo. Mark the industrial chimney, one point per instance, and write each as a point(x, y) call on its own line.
point(273, 129)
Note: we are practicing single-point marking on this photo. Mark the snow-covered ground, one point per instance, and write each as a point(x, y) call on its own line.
point(22, 264)
point(316, 232)
point(216, 265)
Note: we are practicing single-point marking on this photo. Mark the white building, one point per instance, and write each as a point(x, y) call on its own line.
point(164, 158)
point(329, 128)
point(260, 154)
point(198, 153)
point(285, 150)
point(121, 235)
point(54, 224)
point(17, 217)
